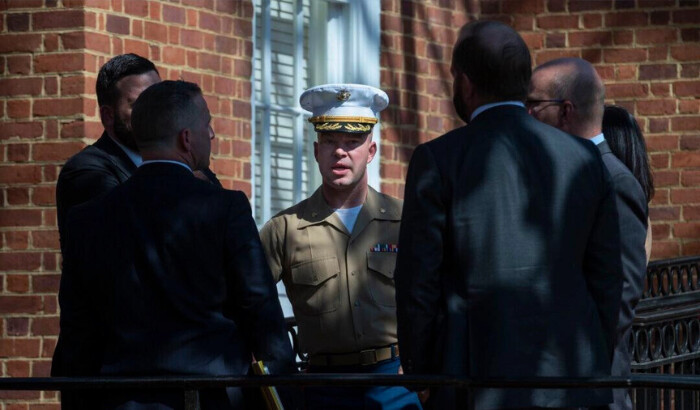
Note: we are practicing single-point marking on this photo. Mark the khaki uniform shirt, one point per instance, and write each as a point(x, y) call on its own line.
point(340, 284)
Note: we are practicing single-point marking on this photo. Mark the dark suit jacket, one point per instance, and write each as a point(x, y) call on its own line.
point(166, 275)
point(92, 173)
point(632, 210)
point(509, 261)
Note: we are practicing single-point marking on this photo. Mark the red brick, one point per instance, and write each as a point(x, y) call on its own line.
point(686, 123)
point(666, 213)
point(626, 90)
point(45, 239)
point(78, 84)
point(21, 86)
point(17, 368)
point(156, 32)
point(208, 61)
point(17, 326)
point(689, 106)
point(657, 35)
point(685, 195)
point(656, 107)
point(10, 4)
point(690, 142)
point(191, 38)
point(58, 19)
point(17, 240)
point(118, 24)
point(690, 35)
point(590, 38)
point(209, 21)
point(18, 64)
point(687, 230)
point(173, 55)
point(522, 6)
point(584, 5)
point(44, 326)
point(16, 348)
point(136, 46)
point(657, 71)
point(687, 88)
point(666, 178)
point(660, 18)
point(136, 8)
point(46, 283)
point(664, 249)
point(624, 55)
point(18, 22)
point(657, 125)
point(686, 52)
point(557, 22)
point(17, 283)
point(20, 174)
point(44, 195)
point(42, 368)
point(173, 14)
point(59, 63)
point(18, 108)
point(592, 20)
point(660, 89)
point(58, 107)
point(656, 3)
point(626, 19)
point(20, 304)
point(660, 231)
point(686, 16)
point(662, 142)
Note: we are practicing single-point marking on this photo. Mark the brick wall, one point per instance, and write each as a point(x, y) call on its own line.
point(647, 52)
point(50, 53)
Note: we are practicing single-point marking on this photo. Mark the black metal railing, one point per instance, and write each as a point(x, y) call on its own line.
point(190, 386)
point(666, 332)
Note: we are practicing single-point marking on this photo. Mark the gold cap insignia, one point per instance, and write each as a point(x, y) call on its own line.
point(343, 95)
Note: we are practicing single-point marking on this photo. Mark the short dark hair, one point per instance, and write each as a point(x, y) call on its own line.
point(627, 143)
point(114, 70)
point(162, 111)
point(496, 60)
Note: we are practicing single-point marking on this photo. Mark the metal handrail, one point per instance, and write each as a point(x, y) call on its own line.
point(655, 381)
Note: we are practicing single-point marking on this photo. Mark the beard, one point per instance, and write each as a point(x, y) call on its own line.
point(461, 108)
point(124, 134)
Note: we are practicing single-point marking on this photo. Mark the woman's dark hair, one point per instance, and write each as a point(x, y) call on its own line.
point(627, 143)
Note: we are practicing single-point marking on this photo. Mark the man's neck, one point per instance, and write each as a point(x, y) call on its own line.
point(348, 198)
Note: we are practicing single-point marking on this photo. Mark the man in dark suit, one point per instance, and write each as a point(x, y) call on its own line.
point(166, 275)
point(509, 262)
point(112, 159)
point(567, 93)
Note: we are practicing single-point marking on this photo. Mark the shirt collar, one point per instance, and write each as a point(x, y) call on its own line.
point(485, 107)
point(598, 139)
point(134, 156)
point(182, 164)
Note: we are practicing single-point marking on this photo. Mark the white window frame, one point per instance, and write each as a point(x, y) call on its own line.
point(351, 41)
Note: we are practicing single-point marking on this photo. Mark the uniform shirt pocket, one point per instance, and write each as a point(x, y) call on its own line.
point(380, 277)
point(315, 286)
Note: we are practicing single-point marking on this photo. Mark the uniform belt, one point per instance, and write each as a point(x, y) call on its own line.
point(363, 358)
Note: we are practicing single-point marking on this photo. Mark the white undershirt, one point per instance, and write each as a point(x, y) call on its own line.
point(348, 216)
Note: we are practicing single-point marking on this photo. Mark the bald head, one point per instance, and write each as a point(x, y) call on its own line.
point(495, 59)
point(575, 83)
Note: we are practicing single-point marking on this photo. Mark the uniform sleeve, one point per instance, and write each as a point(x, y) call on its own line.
point(419, 263)
point(272, 243)
point(252, 295)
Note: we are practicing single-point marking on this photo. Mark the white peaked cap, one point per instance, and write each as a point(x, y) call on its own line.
point(344, 107)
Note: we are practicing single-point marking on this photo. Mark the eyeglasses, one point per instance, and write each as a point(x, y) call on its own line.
point(531, 103)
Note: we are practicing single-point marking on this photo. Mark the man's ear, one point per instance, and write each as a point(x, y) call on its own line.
point(567, 115)
point(184, 140)
point(466, 87)
point(107, 116)
point(372, 149)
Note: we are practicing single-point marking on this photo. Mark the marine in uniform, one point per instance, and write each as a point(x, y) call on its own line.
point(336, 253)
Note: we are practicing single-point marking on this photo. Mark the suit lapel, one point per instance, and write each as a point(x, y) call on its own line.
point(115, 154)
